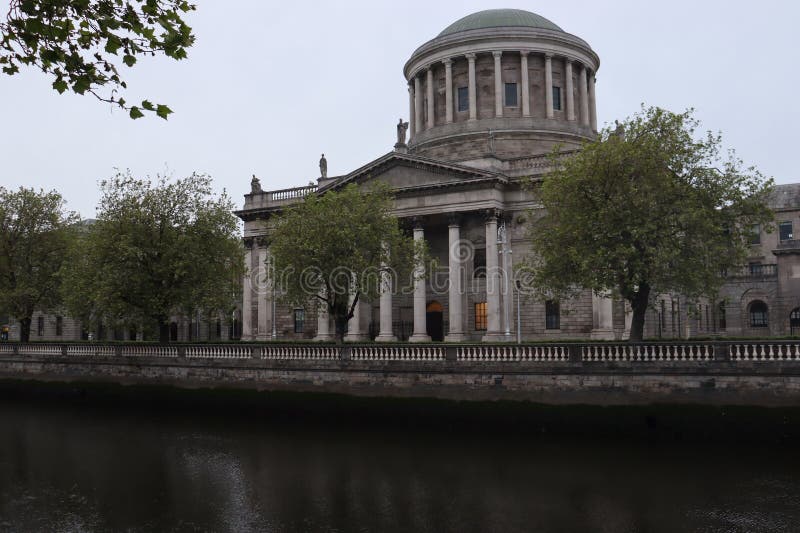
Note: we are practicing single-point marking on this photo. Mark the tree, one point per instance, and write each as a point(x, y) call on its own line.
point(83, 44)
point(646, 209)
point(35, 233)
point(336, 248)
point(156, 250)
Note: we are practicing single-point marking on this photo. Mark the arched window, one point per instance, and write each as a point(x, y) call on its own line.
point(794, 321)
point(759, 317)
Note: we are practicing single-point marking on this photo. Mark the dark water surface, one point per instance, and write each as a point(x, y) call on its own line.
point(72, 468)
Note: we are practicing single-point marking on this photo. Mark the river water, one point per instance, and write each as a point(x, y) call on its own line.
point(73, 468)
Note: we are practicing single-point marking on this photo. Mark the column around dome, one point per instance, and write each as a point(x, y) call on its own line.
point(417, 104)
point(592, 103)
point(448, 90)
point(548, 84)
point(473, 93)
point(429, 94)
point(411, 113)
point(584, 97)
point(570, 89)
point(523, 66)
point(498, 84)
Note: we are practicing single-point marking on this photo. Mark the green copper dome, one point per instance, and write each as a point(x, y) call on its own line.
point(494, 18)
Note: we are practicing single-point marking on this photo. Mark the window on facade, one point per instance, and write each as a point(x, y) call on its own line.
point(552, 315)
point(556, 98)
point(785, 231)
point(479, 263)
point(758, 315)
point(756, 269)
point(755, 237)
point(59, 325)
point(299, 320)
point(463, 99)
point(480, 316)
point(511, 95)
point(40, 326)
point(722, 319)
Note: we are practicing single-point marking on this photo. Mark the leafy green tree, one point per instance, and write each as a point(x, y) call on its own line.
point(35, 234)
point(83, 44)
point(156, 250)
point(648, 208)
point(335, 248)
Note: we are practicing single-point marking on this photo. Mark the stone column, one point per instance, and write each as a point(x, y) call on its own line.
point(592, 104)
point(570, 89)
point(354, 331)
point(602, 317)
point(455, 289)
point(323, 322)
point(548, 85)
point(584, 97)
point(385, 334)
point(247, 292)
point(448, 90)
point(411, 113)
point(420, 326)
point(526, 96)
point(263, 295)
point(429, 90)
point(417, 105)
point(473, 93)
point(498, 84)
point(493, 322)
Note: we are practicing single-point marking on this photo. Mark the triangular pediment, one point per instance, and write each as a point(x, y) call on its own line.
point(404, 172)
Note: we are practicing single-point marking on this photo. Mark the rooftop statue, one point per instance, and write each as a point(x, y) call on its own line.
point(255, 185)
point(323, 167)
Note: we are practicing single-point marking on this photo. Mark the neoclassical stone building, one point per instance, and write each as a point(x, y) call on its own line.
point(489, 98)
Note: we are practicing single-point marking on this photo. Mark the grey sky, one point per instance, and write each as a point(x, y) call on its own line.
point(271, 85)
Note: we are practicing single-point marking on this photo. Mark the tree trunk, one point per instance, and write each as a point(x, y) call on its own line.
point(25, 329)
point(341, 327)
point(639, 304)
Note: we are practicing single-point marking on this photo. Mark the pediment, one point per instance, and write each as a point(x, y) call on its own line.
point(406, 172)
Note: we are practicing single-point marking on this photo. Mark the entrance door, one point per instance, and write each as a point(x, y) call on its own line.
point(434, 321)
point(794, 321)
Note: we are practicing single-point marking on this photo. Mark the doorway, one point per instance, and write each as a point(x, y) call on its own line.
point(434, 321)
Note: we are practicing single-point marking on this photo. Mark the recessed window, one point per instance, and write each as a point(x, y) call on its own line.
point(755, 236)
point(463, 99)
point(785, 231)
point(299, 320)
point(552, 315)
point(59, 325)
point(556, 98)
point(756, 269)
point(759, 315)
point(480, 316)
point(511, 95)
point(723, 323)
point(479, 263)
point(40, 326)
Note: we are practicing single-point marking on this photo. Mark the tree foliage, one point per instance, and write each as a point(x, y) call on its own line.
point(84, 44)
point(334, 248)
point(156, 250)
point(648, 208)
point(35, 233)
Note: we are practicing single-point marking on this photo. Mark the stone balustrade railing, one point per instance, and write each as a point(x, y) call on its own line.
point(745, 352)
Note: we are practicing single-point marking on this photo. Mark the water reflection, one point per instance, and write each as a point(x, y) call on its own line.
point(71, 469)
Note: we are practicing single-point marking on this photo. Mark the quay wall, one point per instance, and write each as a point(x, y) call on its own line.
point(756, 374)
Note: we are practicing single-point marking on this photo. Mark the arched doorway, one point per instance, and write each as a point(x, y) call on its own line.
point(794, 321)
point(434, 321)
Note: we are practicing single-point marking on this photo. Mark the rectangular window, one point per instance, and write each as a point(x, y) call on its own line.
point(511, 95)
point(463, 99)
point(479, 263)
point(552, 315)
point(299, 320)
point(756, 269)
point(40, 326)
point(755, 237)
point(480, 316)
point(785, 230)
point(722, 321)
point(59, 325)
point(556, 98)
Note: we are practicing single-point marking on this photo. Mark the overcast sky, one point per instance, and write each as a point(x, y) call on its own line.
point(271, 85)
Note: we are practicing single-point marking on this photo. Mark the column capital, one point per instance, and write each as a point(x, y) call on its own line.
point(417, 223)
point(447, 62)
point(249, 242)
point(491, 215)
point(497, 54)
point(263, 241)
point(548, 57)
point(470, 56)
point(524, 53)
point(454, 220)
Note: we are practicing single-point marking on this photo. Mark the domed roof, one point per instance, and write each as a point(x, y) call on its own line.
point(494, 18)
